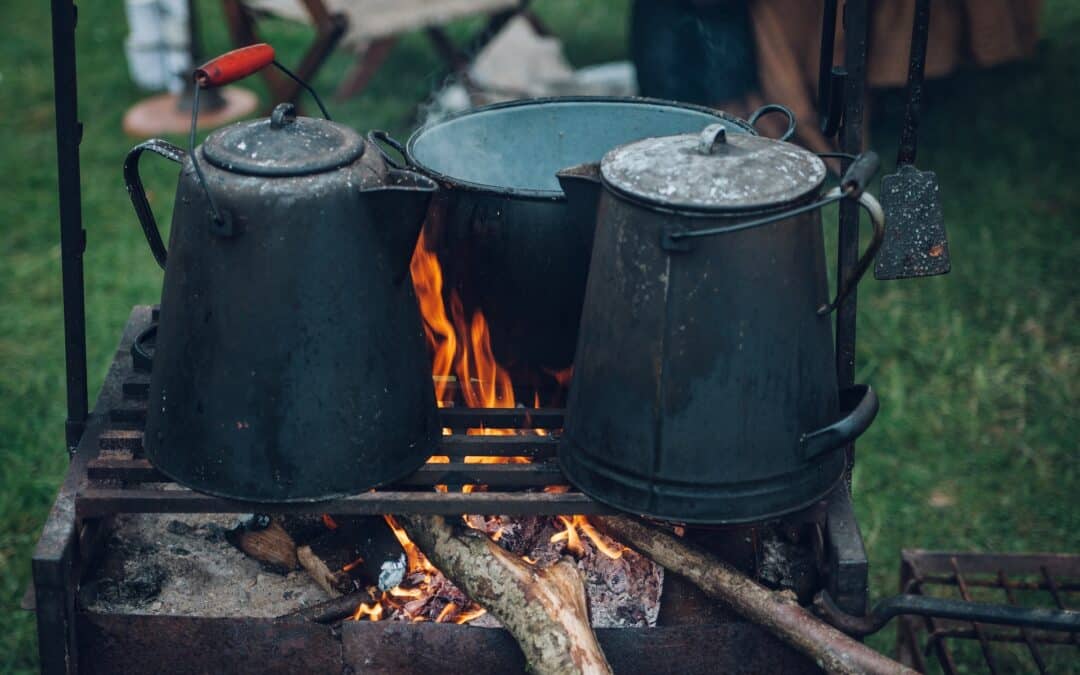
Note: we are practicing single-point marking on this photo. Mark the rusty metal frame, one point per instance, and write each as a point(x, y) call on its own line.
point(1050, 575)
point(107, 477)
point(66, 541)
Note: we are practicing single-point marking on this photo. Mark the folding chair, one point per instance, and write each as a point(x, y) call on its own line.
point(371, 28)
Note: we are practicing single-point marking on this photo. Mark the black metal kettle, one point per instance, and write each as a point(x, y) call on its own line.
point(290, 362)
point(704, 384)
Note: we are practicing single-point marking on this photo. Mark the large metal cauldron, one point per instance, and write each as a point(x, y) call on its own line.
point(704, 387)
point(506, 238)
point(290, 362)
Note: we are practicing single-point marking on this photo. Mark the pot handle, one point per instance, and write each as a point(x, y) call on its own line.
point(851, 280)
point(774, 108)
point(859, 406)
point(138, 194)
point(852, 186)
point(377, 137)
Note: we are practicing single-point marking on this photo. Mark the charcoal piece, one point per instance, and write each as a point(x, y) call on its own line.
point(140, 586)
point(179, 527)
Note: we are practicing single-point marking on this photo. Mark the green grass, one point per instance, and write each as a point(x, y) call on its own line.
point(978, 372)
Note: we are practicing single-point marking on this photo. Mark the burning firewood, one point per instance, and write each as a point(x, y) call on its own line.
point(348, 553)
point(544, 609)
point(776, 611)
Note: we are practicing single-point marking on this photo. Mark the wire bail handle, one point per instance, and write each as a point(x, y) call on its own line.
point(218, 72)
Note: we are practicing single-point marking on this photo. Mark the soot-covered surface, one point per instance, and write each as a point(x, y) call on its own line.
point(182, 565)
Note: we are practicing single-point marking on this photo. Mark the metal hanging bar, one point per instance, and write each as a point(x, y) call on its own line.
point(856, 22)
point(72, 234)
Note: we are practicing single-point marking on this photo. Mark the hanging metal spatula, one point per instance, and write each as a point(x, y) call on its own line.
point(915, 242)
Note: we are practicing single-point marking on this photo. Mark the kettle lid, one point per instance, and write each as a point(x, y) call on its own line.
point(713, 171)
point(283, 145)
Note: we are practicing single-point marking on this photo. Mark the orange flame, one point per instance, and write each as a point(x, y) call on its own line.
point(470, 614)
point(446, 611)
point(573, 541)
point(414, 559)
point(427, 281)
point(373, 611)
point(462, 352)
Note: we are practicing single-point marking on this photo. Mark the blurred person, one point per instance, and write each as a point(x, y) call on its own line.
point(738, 54)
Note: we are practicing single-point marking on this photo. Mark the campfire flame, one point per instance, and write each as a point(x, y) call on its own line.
point(373, 611)
point(462, 353)
point(573, 541)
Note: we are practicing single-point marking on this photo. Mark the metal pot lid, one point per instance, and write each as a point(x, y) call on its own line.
point(283, 145)
point(713, 171)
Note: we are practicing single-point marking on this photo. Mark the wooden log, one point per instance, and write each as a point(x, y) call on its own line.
point(332, 610)
point(544, 609)
point(776, 611)
point(334, 582)
point(263, 539)
point(350, 555)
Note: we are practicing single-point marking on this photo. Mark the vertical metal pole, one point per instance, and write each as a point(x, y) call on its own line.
point(72, 235)
point(856, 21)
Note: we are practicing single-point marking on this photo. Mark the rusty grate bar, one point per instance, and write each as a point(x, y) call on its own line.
point(121, 480)
point(533, 475)
point(1038, 579)
point(96, 502)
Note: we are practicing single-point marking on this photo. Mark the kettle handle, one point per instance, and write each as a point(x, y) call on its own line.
point(138, 194)
point(859, 406)
point(775, 108)
point(377, 137)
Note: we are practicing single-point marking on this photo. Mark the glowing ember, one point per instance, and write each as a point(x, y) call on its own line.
point(373, 612)
point(422, 584)
point(469, 615)
point(447, 611)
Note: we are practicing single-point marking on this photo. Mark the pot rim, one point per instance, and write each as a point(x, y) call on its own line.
point(544, 195)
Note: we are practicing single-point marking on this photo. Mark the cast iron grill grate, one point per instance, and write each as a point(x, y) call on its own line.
point(121, 480)
point(1048, 580)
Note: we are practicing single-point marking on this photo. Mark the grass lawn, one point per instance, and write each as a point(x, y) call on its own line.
point(978, 371)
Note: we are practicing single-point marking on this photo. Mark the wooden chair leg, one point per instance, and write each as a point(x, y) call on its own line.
point(328, 31)
point(455, 58)
point(367, 64)
point(536, 22)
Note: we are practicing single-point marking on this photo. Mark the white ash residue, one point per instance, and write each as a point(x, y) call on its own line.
point(182, 565)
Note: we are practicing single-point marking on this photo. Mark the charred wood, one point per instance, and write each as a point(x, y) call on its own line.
point(264, 539)
point(332, 610)
point(778, 612)
point(544, 609)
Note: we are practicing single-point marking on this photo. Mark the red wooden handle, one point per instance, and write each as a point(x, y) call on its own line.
point(235, 65)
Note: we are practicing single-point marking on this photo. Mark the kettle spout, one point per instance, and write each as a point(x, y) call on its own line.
point(398, 208)
point(582, 187)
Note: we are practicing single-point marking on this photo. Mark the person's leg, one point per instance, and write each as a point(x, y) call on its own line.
point(695, 52)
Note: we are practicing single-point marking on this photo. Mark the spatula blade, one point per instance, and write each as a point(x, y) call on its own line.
point(915, 241)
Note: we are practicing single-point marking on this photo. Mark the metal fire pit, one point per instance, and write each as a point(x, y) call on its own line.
point(108, 476)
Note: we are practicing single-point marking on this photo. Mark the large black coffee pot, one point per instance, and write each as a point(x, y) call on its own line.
point(704, 385)
point(290, 362)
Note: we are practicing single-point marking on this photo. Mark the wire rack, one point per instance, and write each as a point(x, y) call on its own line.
point(1029, 580)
